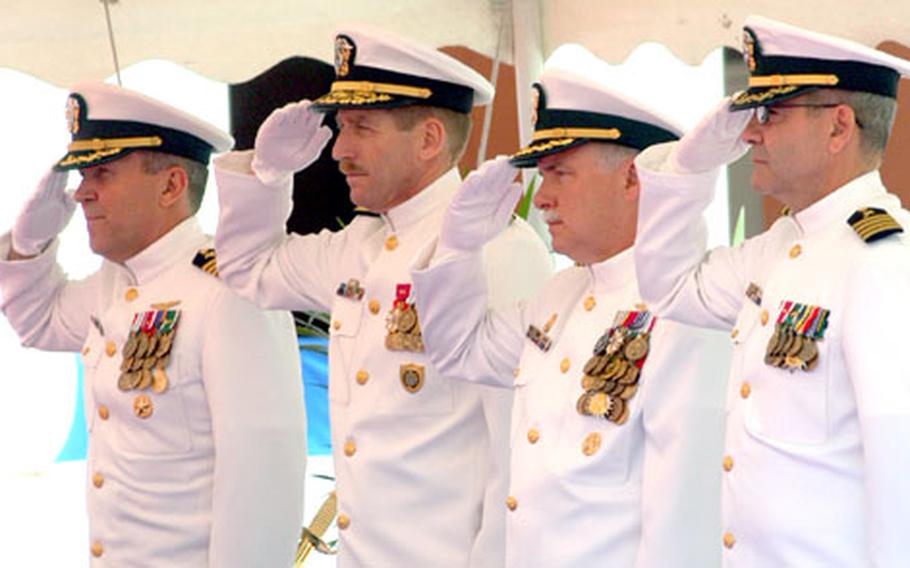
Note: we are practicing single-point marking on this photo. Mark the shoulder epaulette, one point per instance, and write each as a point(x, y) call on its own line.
point(872, 224)
point(364, 212)
point(205, 259)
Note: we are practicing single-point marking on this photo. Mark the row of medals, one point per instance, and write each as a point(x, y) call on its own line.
point(145, 356)
point(403, 330)
point(790, 350)
point(611, 375)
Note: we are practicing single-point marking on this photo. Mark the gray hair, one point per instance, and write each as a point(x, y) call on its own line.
point(197, 173)
point(874, 115)
point(613, 155)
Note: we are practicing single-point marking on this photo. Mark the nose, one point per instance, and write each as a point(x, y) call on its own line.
point(752, 132)
point(84, 192)
point(544, 197)
point(342, 148)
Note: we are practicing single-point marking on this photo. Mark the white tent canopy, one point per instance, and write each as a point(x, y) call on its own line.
point(62, 41)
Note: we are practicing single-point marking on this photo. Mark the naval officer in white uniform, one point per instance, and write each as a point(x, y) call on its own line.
point(816, 462)
point(420, 461)
point(197, 441)
point(617, 420)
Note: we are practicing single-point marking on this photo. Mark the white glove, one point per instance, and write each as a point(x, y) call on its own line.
point(715, 141)
point(44, 215)
point(482, 207)
point(289, 140)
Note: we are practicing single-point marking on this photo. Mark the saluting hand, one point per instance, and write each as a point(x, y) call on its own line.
point(289, 140)
point(482, 207)
point(44, 215)
point(715, 141)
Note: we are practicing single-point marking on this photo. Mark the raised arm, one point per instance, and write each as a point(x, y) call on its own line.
point(255, 256)
point(45, 309)
point(674, 272)
point(465, 339)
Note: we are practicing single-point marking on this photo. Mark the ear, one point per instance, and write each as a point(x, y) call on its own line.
point(631, 187)
point(176, 184)
point(433, 138)
point(844, 129)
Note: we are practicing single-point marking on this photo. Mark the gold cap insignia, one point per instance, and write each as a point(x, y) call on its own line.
point(73, 112)
point(344, 55)
point(749, 49)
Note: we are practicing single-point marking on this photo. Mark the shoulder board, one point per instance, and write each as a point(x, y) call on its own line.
point(205, 259)
point(872, 224)
point(364, 212)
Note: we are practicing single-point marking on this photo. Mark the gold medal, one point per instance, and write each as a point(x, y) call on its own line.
point(624, 416)
point(630, 377)
point(164, 344)
point(796, 346)
point(582, 405)
point(637, 348)
point(124, 382)
point(616, 409)
point(142, 348)
point(602, 362)
point(789, 338)
point(130, 346)
point(590, 383)
point(613, 368)
point(598, 404)
point(137, 364)
point(615, 388)
point(145, 379)
point(407, 319)
point(591, 365)
point(629, 392)
point(149, 362)
point(126, 364)
point(159, 380)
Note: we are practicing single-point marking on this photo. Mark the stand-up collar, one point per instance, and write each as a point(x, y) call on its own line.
point(840, 203)
point(163, 253)
point(614, 273)
point(433, 198)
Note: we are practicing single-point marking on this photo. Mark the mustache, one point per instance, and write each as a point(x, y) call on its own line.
point(550, 216)
point(348, 167)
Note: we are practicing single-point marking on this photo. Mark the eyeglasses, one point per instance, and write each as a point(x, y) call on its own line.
point(763, 113)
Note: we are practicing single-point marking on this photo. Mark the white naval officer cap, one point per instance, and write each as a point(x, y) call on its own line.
point(786, 61)
point(378, 69)
point(108, 122)
point(573, 105)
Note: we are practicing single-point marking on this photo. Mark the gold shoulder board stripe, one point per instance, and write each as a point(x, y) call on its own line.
point(205, 259)
point(872, 224)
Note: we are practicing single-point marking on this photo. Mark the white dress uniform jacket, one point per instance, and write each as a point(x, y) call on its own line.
point(214, 475)
point(414, 470)
point(586, 491)
point(817, 461)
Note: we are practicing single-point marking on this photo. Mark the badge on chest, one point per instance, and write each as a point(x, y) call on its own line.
point(793, 344)
point(402, 323)
point(147, 351)
point(612, 373)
